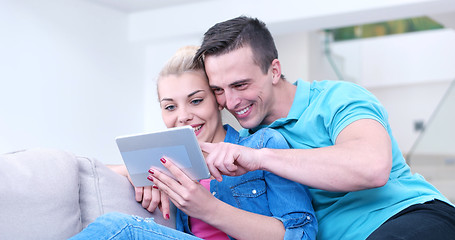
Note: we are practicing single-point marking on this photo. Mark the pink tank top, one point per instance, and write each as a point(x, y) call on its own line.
point(203, 230)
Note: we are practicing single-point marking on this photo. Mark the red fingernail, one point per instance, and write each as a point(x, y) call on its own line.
point(163, 160)
point(150, 178)
point(155, 187)
point(167, 216)
point(150, 171)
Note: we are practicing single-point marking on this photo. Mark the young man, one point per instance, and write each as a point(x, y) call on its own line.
point(342, 143)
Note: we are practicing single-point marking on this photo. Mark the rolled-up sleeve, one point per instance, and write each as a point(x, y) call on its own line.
point(302, 226)
point(290, 202)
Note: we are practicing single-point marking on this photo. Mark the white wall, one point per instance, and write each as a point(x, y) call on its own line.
point(69, 79)
point(73, 74)
point(293, 53)
point(417, 57)
point(157, 53)
point(283, 17)
point(296, 27)
point(407, 104)
point(409, 73)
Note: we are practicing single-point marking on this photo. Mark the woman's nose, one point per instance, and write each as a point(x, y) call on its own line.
point(185, 116)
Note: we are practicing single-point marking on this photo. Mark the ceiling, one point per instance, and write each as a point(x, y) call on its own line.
point(315, 17)
point(129, 6)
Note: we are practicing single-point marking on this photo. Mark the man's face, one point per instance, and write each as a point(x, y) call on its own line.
point(241, 87)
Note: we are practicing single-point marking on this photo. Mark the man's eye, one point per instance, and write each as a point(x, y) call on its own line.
point(218, 91)
point(240, 86)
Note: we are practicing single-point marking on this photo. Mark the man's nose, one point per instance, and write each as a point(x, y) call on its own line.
point(231, 100)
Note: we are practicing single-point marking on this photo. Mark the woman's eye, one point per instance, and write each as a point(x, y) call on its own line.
point(169, 107)
point(196, 101)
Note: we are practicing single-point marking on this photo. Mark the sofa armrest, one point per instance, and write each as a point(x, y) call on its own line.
point(39, 195)
point(53, 194)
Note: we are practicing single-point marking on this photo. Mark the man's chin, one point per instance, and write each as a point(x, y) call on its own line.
point(247, 124)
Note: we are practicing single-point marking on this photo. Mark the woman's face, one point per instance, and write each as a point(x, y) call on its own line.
point(187, 99)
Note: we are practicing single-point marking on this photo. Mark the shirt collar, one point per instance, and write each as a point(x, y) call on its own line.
point(232, 136)
point(299, 105)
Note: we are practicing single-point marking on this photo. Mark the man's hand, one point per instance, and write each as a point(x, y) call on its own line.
point(230, 159)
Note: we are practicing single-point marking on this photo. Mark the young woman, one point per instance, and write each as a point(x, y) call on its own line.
point(256, 205)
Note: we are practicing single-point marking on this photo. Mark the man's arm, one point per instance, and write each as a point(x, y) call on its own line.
point(360, 159)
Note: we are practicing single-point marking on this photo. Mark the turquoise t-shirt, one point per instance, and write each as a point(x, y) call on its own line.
point(320, 111)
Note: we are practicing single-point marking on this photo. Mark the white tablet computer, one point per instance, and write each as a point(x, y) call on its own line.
point(142, 151)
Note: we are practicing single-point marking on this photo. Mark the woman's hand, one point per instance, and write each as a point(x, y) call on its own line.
point(149, 197)
point(193, 199)
point(188, 195)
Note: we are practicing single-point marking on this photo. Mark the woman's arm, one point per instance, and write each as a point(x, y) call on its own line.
point(119, 169)
point(290, 202)
point(193, 199)
point(241, 224)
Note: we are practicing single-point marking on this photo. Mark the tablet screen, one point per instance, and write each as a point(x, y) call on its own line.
point(140, 152)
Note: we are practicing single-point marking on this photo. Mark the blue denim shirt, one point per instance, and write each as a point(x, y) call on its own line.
point(264, 193)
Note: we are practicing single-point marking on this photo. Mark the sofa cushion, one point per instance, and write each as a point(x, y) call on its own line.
point(103, 191)
point(53, 194)
point(39, 195)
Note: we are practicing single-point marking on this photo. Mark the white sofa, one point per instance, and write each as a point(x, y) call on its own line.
point(52, 194)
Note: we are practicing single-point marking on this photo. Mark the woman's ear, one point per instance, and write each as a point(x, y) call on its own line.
point(220, 107)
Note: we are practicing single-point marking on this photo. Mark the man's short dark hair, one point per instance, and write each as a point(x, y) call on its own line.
point(233, 34)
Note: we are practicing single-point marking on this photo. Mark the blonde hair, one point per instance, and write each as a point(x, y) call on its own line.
point(181, 62)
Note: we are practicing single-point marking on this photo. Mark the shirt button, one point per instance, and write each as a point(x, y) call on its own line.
point(308, 217)
point(213, 193)
point(254, 191)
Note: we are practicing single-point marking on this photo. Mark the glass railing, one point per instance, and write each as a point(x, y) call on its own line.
point(438, 135)
point(433, 153)
point(384, 28)
point(409, 83)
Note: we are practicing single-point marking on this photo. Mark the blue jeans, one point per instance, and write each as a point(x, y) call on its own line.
point(123, 226)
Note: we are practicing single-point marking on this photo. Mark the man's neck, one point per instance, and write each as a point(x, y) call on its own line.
point(284, 93)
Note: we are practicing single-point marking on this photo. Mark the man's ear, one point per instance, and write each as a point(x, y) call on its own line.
point(220, 107)
point(276, 71)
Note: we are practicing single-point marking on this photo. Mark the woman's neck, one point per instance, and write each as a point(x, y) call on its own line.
point(219, 135)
